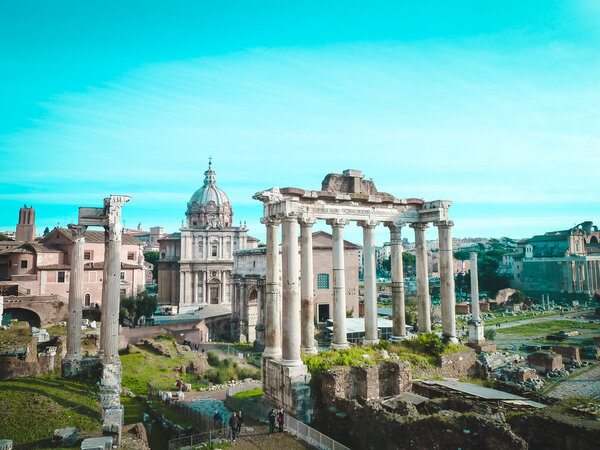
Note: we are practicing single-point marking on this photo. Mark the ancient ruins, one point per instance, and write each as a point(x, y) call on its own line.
point(346, 197)
point(108, 217)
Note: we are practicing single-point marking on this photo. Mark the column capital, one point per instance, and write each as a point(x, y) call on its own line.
point(368, 223)
point(272, 221)
point(115, 231)
point(77, 231)
point(337, 223)
point(419, 225)
point(288, 217)
point(306, 221)
point(444, 224)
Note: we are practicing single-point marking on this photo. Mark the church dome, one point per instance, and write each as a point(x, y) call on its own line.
point(209, 207)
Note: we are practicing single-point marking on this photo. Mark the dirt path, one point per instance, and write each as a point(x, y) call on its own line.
point(586, 384)
point(255, 435)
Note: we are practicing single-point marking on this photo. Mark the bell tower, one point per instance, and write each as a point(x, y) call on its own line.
point(26, 226)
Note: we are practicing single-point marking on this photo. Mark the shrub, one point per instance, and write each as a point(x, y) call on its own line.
point(212, 358)
point(489, 334)
point(428, 343)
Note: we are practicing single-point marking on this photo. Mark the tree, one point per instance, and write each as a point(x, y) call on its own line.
point(4, 237)
point(152, 257)
point(462, 255)
point(133, 308)
point(46, 231)
point(516, 297)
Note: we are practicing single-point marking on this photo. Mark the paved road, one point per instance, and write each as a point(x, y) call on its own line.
point(585, 385)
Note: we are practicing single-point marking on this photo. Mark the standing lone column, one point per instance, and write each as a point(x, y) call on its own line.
point(423, 301)
point(339, 285)
point(109, 339)
point(290, 292)
point(307, 294)
point(272, 311)
point(448, 299)
point(75, 301)
point(476, 335)
point(398, 306)
point(371, 331)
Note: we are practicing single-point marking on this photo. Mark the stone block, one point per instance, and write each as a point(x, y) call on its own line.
point(113, 423)
point(545, 362)
point(99, 443)
point(65, 437)
point(70, 367)
point(6, 444)
point(569, 354)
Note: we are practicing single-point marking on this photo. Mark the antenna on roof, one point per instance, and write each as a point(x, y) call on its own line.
point(209, 162)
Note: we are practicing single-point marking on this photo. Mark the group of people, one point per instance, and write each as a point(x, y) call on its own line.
point(235, 422)
point(276, 415)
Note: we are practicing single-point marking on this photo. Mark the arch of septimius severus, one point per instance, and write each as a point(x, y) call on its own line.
point(289, 325)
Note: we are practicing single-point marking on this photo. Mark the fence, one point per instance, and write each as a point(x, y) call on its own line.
point(291, 425)
point(197, 439)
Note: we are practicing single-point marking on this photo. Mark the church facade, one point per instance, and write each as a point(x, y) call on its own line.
point(196, 264)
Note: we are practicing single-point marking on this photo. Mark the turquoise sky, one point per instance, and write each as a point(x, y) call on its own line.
point(494, 105)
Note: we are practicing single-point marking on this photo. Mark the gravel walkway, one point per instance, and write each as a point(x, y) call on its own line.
point(585, 385)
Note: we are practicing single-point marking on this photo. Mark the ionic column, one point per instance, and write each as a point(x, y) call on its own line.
point(75, 294)
point(448, 299)
point(339, 285)
point(423, 300)
point(307, 295)
point(371, 334)
point(290, 292)
point(398, 307)
point(109, 339)
point(475, 288)
point(272, 304)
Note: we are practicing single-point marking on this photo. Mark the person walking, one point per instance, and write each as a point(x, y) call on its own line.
point(272, 416)
point(241, 422)
point(234, 424)
point(217, 418)
point(280, 419)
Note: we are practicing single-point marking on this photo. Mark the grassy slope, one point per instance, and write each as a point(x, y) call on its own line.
point(143, 365)
point(31, 408)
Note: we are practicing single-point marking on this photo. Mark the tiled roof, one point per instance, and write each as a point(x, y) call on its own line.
point(32, 247)
point(171, 237)
point(92, 237)
point(347, 244)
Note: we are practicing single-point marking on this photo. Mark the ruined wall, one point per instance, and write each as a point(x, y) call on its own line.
point(195, 332)
point(366, 382)
point(569, 354)
point(460, 365)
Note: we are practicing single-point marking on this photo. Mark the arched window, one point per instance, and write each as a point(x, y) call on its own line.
point(87, 300)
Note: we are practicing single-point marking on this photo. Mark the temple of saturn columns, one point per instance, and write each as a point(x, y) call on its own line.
point(108, 217)
point(289, 324)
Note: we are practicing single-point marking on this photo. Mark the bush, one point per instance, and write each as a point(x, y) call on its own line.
point(489, 334)
point(212, 358)
point(427, 343)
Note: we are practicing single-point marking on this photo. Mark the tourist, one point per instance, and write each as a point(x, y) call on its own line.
point(180, 384)
point(234, 424)
point(241, 421)
point(280, 419)
point(217, 418)
point(272, 416)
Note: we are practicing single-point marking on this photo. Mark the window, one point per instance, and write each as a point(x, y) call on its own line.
point(323, 281)
point(61, 277)
point(130, 256)
point(88, 254)
point(122, 275)
point(88, 300)
point(214, 250)
point(23, 264)
point(9, 263)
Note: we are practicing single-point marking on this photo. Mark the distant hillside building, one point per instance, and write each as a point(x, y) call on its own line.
point(149, 238)
point(196, 264)
point(564, 264)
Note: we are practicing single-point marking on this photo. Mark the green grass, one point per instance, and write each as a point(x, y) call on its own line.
point(549, 327)
point(142, 365)
point(19, 332)
point(32, 408)
point(253, 394)
point(134, 409)
point(516, 318)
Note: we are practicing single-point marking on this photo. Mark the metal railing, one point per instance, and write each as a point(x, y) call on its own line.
point(291, 425)
point(197, 439)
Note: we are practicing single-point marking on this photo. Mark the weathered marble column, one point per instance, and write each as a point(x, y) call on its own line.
point(448, 298)
point(290, 292)
point(195, 287)
point(340, 340)
point(109, 338)
point(272, 303)
point(474, 288)
point(371, 330)
point(398, 306)
point(423, 300)
point(307, 295)
point(476, 335)
point(75, 294)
